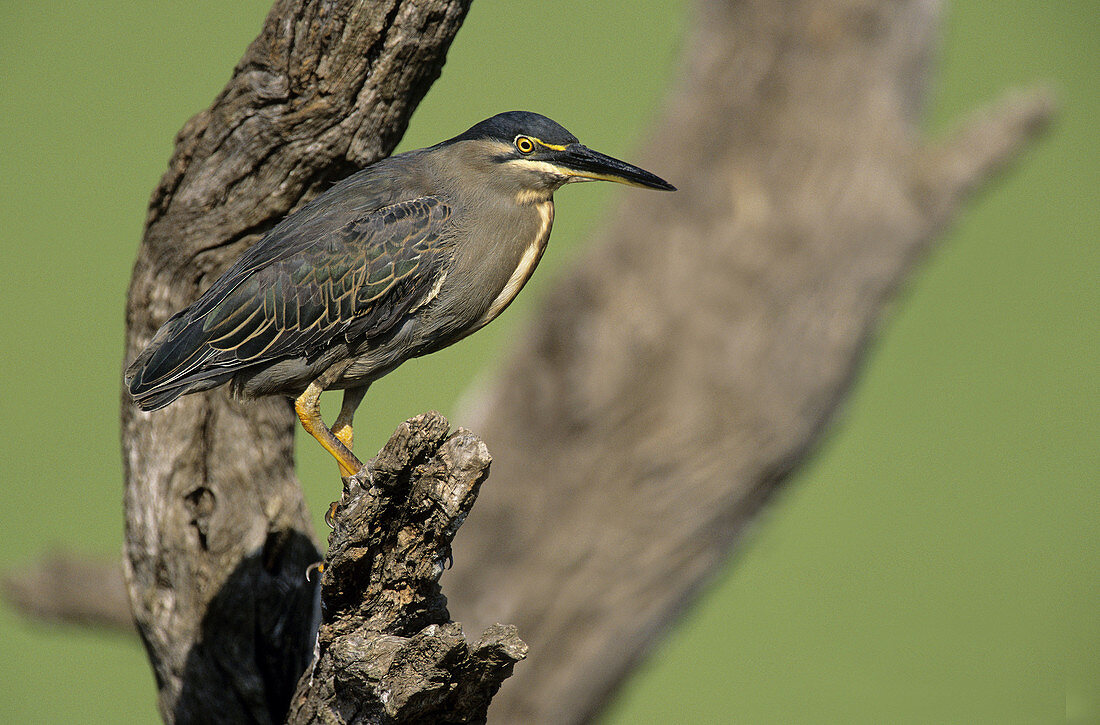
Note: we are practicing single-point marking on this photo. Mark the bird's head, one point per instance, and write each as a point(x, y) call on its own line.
point(533, 156)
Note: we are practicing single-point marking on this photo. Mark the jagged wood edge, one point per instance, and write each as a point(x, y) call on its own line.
point(387, 649)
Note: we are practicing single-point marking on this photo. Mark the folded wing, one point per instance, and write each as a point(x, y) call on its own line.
point(297, 292)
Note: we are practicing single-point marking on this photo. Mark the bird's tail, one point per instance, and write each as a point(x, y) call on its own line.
point(175, 362)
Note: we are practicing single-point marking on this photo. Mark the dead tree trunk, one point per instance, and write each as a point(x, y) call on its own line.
point(692, 358)
point(387, 650)
point(217, 536)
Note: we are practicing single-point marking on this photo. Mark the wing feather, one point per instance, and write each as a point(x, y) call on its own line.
point(295, 297)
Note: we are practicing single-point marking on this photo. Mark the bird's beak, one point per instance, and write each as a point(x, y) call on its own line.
point(581, 163)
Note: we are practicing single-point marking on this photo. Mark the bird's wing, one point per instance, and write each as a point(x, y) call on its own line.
point(296, 296)
point(361, 279)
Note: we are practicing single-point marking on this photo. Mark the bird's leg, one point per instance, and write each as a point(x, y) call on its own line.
point(342, 427)
point(308, 407)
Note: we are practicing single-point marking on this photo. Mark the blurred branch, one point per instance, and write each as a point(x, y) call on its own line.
point(985, 143)
point(63, 586)
point(692, 358)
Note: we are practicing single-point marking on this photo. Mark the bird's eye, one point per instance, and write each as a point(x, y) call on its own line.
point(524, 144)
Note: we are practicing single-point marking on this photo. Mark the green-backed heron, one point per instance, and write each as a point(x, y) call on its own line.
point(402, 258)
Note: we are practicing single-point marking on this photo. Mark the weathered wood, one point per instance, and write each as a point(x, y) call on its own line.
point(217, 536)
point(693, 356)
point(387, 650)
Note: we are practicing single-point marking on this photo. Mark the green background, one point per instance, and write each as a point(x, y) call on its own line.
point(936, 561)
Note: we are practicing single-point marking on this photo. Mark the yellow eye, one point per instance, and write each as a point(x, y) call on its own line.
point(524, 144)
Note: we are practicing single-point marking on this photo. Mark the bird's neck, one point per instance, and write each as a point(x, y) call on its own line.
point(531, 197)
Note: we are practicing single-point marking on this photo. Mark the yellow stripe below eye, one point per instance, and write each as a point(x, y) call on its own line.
point(543, 166)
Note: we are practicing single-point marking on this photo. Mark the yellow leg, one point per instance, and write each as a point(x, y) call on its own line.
point(342, 427)
point(308, 407)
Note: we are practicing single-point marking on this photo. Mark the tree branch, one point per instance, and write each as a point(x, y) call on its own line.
point(692, 358)
point(217, 535)
point(984, 144)
point(65, 587)
point(387, 650)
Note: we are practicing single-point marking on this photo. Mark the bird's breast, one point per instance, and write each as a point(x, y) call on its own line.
point(525, 267)
point(480, 283)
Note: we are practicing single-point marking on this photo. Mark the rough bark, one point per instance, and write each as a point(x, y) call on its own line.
point(217, 536)
point(676, 375)
point(386, 649)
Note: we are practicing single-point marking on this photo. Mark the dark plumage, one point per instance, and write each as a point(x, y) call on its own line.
point(508, 125)
point(400, 259)
point(294, 294)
